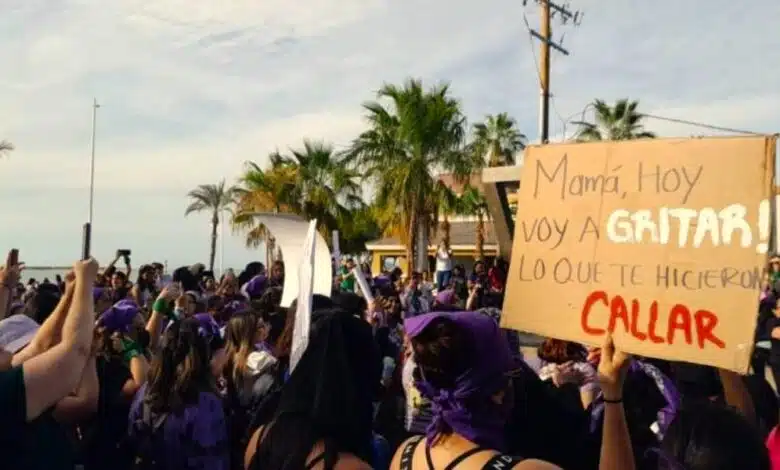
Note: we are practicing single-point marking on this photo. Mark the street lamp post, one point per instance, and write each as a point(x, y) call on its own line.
point(87, 234)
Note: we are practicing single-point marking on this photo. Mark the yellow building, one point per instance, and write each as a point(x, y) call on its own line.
point(388, 252)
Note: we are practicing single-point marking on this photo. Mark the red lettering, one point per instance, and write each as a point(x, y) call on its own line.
point(653, 321)
point(617, 310)
point(635, 321)
point(706, 321)
point(679, 321)
point(595, 296)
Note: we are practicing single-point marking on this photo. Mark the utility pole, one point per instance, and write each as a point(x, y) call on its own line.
point(548, 12)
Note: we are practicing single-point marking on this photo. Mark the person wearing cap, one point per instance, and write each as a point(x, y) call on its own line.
point(47, 370)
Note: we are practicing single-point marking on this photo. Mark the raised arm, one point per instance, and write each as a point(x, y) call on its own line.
point(616, 450)
point(737, 394)
point(160, 310)
point(9, 278)
point(54, 374)
point(50, 332)
point(84, 402)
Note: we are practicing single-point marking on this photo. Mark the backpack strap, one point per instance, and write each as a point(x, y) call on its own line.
point(408, 453)
point(501, 462)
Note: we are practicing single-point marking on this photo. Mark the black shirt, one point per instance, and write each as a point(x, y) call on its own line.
point(39, 444)
point(774, 354)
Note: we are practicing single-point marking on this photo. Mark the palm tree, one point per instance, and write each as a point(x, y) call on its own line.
point(213, 198)
point(270, 190)
point(473, 203)
point(619, 122)
point(6, 147)
point(497, 139)
point(311, 182)
point(419, 133)
point(449, 204)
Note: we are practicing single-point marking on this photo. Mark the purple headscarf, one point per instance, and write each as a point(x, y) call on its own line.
point(665, 386)
point(234, 307)
point(445, 297)
point(255, 286)
point(119, 317)
point(481, 421)
point(97, 292)
point(209, 329)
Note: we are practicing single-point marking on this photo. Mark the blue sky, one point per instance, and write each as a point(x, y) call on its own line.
point(191, 89)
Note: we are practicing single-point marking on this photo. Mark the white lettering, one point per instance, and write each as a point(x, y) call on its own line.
point(619, 230)
point(693, 227)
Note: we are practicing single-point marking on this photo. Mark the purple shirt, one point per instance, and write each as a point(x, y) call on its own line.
point(194, 438)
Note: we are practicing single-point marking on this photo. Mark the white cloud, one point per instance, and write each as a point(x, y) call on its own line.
point(192, 89)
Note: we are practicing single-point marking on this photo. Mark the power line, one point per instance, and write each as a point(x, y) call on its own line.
point(701, 124)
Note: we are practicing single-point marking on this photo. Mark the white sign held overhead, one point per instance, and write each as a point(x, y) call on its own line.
point(302, 324)
point(290, 232)
point(363, 284)
point(336, 249)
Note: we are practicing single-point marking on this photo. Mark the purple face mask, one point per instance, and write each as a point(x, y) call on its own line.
point(468, 408)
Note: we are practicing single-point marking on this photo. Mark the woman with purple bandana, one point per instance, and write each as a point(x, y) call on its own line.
point(122, 345)
point(177, 419)
point(463, 362)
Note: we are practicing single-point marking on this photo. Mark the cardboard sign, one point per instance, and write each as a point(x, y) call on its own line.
point(661, 242)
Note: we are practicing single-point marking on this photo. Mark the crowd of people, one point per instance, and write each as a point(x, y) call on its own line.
point(187, 371)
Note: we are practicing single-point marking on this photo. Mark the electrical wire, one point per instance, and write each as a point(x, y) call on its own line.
point(560, 117)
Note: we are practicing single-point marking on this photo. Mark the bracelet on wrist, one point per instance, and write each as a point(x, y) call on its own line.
point(613, 401)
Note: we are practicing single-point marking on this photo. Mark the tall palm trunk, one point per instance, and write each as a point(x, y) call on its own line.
point(445, 228)
point(411, 244)
point(213, 252)
point(480, 236)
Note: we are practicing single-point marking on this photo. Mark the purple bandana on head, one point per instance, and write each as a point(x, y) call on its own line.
point(256, 286)
point(209, 329)
point(97, 293)
point(119, 317)
point(234, 307)
point(480, 421)
point(446, 297)
point(665, 386)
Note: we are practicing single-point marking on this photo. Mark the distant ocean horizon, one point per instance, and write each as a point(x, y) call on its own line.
point(39, 273)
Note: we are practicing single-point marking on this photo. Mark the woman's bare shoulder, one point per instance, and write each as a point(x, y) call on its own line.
point(533, 464)
point(351, 462)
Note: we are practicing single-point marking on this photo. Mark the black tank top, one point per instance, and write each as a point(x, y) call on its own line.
point(497, 462)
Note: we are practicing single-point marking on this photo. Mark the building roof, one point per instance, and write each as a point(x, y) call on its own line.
point(456, 186)
point(462, 233)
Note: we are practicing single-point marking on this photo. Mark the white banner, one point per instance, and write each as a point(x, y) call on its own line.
point(290, 232)
point(363, 284)
point(302, 324)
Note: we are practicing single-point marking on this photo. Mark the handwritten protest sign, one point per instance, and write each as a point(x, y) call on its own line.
point(661, 242)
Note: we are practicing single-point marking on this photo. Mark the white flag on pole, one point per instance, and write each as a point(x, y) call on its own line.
point(362, 284)
point(305, 292)
point(336, 250)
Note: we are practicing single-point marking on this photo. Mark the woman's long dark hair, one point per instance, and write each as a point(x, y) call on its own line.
point(181, 370)
point(328, 398)
point(142, 283)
